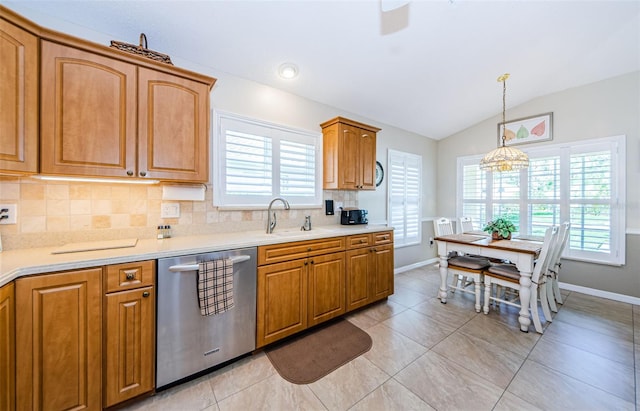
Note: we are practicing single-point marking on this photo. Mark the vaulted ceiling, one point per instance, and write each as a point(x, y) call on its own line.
point(429, 67)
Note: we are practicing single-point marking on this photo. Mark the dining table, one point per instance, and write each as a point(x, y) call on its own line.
point(520, 252)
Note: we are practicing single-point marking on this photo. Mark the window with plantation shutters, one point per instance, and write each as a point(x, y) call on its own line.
point(583, 183)
point(404, 208)
point(255, 161)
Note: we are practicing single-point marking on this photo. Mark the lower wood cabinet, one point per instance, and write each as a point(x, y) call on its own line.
point(326, 287)
point(62, 361)
point(59, 341)
point(129, 323)
point(7, 348)
point(304, 283)
point(282, 301)
point(129, 352)
point(369, 268)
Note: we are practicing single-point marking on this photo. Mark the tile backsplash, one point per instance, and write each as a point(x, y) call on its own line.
point(56, 213)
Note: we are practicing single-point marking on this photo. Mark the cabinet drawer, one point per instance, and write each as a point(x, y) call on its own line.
point(383, 237)
point(359, 241)
point(130, 275)
point(276, 253)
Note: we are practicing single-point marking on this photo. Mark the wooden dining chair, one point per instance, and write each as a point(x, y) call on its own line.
point(508, 276)
point(553, 268)
point(466, 270)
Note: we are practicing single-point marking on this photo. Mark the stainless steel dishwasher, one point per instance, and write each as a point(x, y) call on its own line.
point(188, 342)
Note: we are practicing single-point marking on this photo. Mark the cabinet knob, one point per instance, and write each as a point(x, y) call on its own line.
point(308, 249)
point(306, 263)
point(311, 261)
point(362, 241)
point(143, 173)
point(129, 173)
point(130, 275)
point(146, 294)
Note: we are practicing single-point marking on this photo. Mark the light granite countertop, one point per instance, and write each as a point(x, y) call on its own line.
point(18, 263)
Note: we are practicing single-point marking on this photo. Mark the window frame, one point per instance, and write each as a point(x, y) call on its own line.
point(615, 145)
point(222, 200)
point(401, 236)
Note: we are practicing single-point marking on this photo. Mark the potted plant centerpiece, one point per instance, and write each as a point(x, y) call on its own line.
point(500, 228)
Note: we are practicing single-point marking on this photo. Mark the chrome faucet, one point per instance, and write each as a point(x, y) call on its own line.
point(307, 224)
point(271, 220)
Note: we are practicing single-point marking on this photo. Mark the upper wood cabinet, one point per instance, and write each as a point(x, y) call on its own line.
point(88, 113)
point(102, 116)
point(349, 155)
point(18, 99)
point(173, 133)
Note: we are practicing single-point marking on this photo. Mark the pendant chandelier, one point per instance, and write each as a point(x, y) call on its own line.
point(504, 158)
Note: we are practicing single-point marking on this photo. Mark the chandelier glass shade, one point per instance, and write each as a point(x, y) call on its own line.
point(504, 158)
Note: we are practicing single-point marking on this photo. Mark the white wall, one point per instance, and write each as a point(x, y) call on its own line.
point(606, 108)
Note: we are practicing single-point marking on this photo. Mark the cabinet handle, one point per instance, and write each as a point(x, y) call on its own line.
point(309, 249)
point(311, 261)
point(130, 275)
point(365, 135)
point(306, 263)
point(146, 294)
point(129, 173)
point(143, 173)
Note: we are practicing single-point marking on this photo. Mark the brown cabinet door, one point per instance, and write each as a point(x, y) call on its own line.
point(367, 160)
point(383, 272)
point(358, 269)
point(326, 276)
point(18, 100)
point(348, 163)
point(173, 135)
point(59, 341)
point(88, 113)
point(7, 348)
point(282, 301)
point(129, 350)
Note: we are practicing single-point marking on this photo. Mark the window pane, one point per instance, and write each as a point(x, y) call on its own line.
point(297, 169)
point(248, 164)
point(254, 161)
point(544, 178)
point(477, 212)
point(541, 216)
point(404, 197)
point(590, 227)
point(474, 183)
point(591, 175)
point(506, 185)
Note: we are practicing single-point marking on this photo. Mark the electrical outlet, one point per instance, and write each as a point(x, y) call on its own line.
point(10, 216)
point(338, 205)
point(170, 210)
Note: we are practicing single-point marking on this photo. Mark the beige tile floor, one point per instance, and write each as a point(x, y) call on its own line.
point(427, 355)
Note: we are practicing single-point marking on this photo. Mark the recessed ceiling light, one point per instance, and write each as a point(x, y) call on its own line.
point(288, 71)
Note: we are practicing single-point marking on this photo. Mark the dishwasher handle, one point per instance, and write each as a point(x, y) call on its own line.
point(195, 267)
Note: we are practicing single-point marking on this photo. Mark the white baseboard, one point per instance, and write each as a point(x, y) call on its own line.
point(565, 286)
point(415, 265)
point(599, 293)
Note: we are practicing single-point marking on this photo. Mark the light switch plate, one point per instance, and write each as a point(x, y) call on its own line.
point(170, 210)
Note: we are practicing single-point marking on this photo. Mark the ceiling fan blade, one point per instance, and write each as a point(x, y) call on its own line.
point(394, 16)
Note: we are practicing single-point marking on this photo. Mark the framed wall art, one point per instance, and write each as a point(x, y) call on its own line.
point(527, 130)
